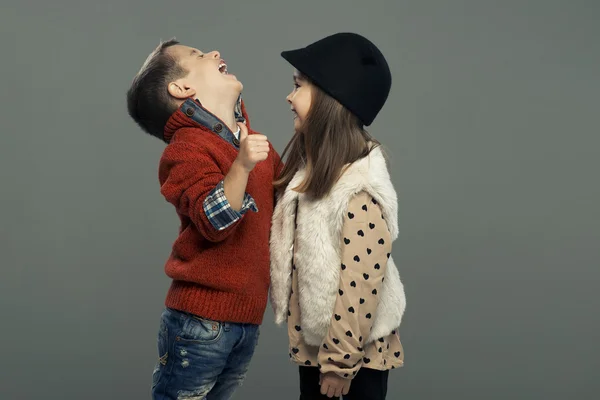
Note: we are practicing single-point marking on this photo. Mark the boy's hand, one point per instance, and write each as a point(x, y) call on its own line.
point(334, 385)
point(253, 148)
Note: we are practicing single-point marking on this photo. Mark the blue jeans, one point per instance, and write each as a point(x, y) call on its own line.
point(200, 358)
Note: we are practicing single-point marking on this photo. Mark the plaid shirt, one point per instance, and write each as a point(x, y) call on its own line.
point(219, 211)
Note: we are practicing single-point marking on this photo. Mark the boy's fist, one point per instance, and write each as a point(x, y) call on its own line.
point(253, 148)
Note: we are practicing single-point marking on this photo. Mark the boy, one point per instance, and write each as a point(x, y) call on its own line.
point(218, 173)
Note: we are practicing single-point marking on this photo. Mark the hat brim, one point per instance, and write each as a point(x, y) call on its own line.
point(300, 60)
point(295, 58)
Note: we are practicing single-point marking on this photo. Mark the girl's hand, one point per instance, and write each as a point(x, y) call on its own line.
point(334, 385)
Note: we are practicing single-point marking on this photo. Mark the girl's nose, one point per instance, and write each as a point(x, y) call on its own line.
point(215, 54)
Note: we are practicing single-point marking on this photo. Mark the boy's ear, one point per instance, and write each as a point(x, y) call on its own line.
point(180, 90)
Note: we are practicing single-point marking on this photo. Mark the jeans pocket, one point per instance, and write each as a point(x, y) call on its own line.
point(200, 330)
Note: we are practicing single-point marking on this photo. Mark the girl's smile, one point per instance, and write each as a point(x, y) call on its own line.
point(300, 99)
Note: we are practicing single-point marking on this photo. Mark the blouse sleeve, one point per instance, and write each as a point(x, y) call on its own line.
point(365, 244)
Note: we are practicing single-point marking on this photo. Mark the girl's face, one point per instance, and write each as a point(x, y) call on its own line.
point(300, 99)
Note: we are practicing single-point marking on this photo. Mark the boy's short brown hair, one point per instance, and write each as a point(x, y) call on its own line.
point(148, 100)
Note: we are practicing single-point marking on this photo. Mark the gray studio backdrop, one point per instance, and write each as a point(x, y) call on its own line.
point(492, 127)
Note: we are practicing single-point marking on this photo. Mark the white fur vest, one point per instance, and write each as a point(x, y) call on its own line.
point(318, 254)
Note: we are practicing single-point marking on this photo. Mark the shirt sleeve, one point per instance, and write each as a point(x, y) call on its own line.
point(189, 176)
point(365, 244)
point(219, 211)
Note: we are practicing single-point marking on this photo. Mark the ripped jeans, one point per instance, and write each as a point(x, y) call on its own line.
point(201, 358)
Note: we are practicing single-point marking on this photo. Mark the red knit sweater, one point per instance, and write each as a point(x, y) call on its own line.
point(220, 275)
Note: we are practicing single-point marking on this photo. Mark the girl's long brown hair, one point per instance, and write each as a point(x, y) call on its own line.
point(330, 137)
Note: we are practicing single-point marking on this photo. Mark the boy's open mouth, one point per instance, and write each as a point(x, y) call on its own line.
point(223, 67)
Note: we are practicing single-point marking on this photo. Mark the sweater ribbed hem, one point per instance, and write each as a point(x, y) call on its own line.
point(216, 305)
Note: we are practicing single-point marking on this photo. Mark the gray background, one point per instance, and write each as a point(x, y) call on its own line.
point(492, 127)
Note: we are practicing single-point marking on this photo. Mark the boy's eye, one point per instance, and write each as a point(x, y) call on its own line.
point(296, 86)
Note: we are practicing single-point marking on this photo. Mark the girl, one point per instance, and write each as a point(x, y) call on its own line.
point(332, 276)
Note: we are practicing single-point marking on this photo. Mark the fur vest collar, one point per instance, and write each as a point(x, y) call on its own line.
point(318, 249)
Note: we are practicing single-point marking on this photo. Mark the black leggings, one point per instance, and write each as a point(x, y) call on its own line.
point(368, 384)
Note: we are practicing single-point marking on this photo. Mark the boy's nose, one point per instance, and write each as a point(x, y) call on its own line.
point(215, 54)
point(289, 98)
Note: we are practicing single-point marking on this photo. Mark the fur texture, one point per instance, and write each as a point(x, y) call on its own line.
point(318, 249)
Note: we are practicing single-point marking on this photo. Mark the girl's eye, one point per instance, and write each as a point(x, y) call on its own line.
point(296, 86)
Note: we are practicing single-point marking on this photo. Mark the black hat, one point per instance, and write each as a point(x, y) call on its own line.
point(350, 69)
